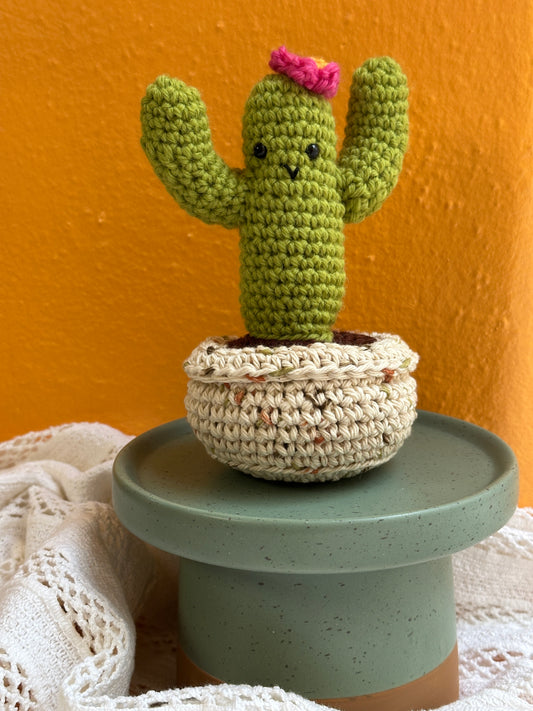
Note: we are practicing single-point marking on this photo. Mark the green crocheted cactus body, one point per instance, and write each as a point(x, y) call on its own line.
point(294, 196)
point(292, 243)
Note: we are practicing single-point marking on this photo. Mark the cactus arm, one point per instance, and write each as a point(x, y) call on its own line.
point(177, 141)
point(375, 138)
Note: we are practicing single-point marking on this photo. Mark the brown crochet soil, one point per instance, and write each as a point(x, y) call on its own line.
point(345, 338)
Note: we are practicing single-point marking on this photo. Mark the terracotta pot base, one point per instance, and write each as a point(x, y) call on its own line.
point(437, 688)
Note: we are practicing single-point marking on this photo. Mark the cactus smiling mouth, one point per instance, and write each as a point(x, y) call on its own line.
point(293, 172)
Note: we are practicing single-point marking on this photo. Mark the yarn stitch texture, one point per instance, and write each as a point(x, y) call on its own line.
point(302, 413)
point(294, 195)
point(316, 75)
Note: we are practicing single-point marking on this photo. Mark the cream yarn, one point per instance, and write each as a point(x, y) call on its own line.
point(302, 413)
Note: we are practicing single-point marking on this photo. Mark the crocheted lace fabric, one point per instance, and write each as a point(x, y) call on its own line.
point(87, 611)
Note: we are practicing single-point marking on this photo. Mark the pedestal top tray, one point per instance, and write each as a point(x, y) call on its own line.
point(450, 486)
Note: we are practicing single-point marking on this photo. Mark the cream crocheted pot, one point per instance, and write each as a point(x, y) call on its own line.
point(302, 413)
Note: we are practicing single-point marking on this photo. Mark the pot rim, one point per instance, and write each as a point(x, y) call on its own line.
point(213, 361)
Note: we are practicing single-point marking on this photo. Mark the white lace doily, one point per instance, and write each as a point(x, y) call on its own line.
point(72, 582)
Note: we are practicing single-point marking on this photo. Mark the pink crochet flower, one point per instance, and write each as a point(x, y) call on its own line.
point(315, 74)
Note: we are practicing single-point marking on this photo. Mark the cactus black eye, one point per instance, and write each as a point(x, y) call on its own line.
point(313, 151)
point(260, 150)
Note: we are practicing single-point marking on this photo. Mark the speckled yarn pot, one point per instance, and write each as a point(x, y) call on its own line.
point(302, 413)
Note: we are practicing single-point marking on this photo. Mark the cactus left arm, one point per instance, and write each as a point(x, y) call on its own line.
point(177, 141)
point(375, 137)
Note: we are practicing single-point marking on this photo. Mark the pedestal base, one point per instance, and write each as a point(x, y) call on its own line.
point(340, 591)
point(334, 636)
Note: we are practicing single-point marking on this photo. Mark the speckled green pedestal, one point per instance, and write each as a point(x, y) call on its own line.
point(332, 590)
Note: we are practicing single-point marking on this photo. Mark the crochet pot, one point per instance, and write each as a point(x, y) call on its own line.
point(302, 413)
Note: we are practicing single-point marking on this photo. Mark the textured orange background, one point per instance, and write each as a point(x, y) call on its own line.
point(107, 285)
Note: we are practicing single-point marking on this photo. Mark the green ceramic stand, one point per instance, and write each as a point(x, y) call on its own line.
point(339, 591)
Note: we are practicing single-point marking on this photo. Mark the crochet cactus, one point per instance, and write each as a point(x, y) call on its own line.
point(294, 195)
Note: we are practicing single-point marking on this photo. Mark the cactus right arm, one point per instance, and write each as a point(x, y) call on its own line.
point(375, 137)
point(177, 141)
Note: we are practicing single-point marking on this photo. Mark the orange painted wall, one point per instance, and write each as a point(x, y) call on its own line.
point(107, 285)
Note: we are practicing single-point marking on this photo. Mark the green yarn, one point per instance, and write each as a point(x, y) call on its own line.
point(289, 203)
point(375, 137)
point(292, 254)
point(177, 141)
